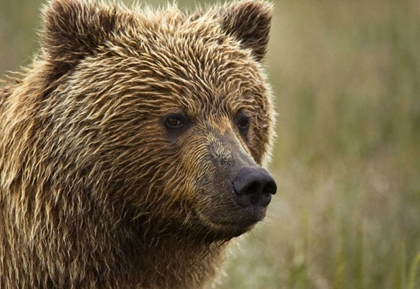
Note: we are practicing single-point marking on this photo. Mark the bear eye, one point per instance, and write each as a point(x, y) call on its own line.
point(175, 121)
point(243, 121)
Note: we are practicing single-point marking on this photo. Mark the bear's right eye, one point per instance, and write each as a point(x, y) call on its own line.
point(175, 121)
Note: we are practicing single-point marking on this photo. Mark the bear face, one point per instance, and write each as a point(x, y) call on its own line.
point(166, 116)
point(131, 149)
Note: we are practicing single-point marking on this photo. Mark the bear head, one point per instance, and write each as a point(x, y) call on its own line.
point(162, 117)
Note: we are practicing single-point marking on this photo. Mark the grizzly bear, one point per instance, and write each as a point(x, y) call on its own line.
point(131, 150)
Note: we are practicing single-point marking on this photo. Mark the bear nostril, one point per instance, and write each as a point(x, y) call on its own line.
point(270, 187)
point(253, 186)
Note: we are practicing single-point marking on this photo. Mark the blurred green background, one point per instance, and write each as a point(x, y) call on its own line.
point(346, 75)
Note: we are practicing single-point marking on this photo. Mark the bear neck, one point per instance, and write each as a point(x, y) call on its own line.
point(149, 253)
point(106, 254)
point(161, 258)
point(173, 262)
point(77, 243)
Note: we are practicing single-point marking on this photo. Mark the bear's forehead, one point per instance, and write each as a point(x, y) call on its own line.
point(195, 61)
point(187, 62)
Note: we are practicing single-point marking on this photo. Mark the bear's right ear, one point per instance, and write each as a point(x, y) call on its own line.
point(73, 29)
point(249, 21)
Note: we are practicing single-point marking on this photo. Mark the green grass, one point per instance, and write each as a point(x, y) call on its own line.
point(347, 158)
point(346, 76)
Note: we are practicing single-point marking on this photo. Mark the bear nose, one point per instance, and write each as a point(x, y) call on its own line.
point(253, 186)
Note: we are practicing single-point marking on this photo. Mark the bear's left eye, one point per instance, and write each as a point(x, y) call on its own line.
point(175, 121)
point(243, 121)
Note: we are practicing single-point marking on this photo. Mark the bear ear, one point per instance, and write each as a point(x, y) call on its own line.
point(249, 21)
point(74, 28)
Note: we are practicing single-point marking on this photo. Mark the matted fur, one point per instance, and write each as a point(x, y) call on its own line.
point(95, 192)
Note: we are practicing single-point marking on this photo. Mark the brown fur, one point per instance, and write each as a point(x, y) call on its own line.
point(95, 192)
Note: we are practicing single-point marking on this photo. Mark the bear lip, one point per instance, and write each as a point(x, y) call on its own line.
point(227, 230)
point(243, 220)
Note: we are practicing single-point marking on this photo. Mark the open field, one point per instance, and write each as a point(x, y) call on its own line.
point(346, 75)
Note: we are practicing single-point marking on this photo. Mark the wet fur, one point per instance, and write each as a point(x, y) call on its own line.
point(94, 192)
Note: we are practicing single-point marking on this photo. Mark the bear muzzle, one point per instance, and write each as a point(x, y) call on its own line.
point(235, 196)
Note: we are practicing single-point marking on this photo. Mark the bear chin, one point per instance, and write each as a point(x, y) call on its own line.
point(231, 226)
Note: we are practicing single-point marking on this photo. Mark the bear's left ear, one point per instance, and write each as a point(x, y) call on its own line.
point(249, 21)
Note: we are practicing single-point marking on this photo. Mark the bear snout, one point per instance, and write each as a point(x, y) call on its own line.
point(253, 186)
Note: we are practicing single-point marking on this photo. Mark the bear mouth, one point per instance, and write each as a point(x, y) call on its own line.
point(235, 223)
